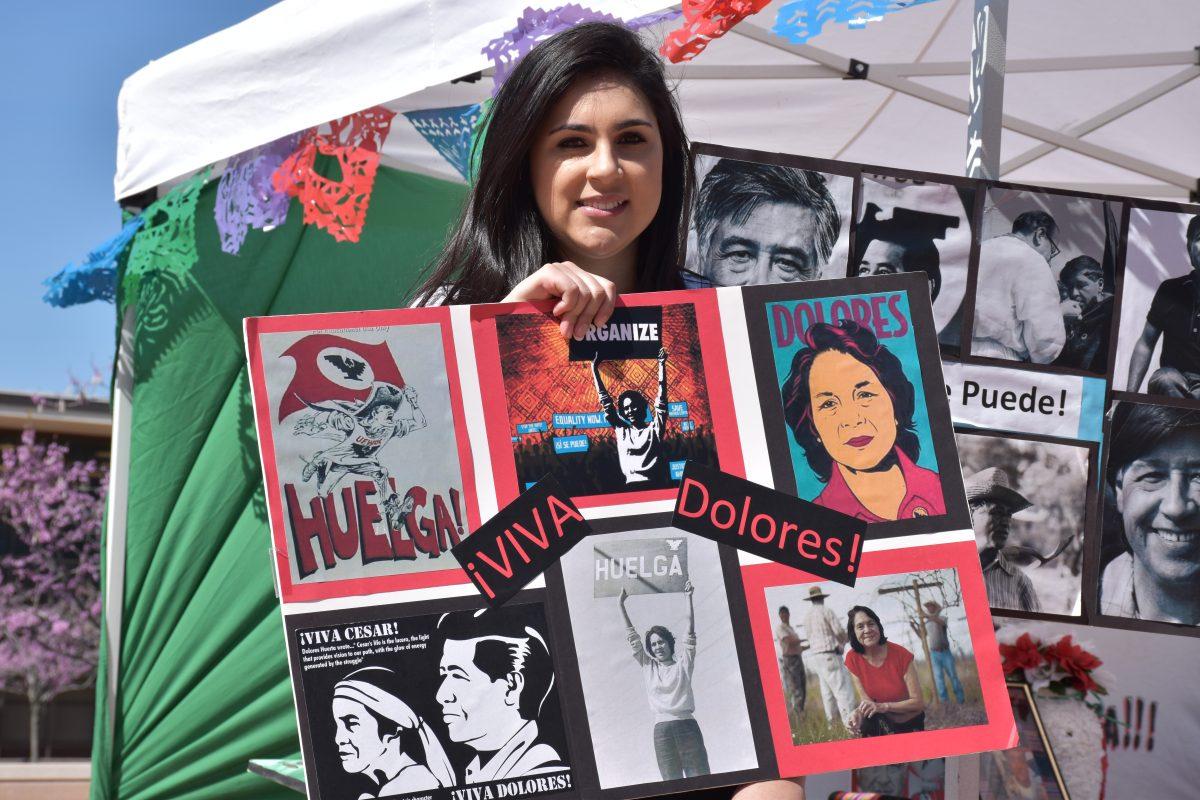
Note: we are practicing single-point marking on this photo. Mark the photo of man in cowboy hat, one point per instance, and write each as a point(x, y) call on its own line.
point(993, 501)
point(826, 641)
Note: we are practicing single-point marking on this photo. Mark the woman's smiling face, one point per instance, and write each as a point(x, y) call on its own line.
point(1158, 496)
point(866, 630)
point(596, 168)
point(853, 413)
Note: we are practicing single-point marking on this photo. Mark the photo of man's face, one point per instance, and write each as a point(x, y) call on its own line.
point(1193, 247)
point(881, 258)
point(475, 708)
point(357, 735)
point(774, 243)
point(991, 523)
point(1158, 497)
point(1085, 288)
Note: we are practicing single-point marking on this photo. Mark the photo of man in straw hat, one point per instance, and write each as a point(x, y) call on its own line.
point(993, 501)
point(827, 641)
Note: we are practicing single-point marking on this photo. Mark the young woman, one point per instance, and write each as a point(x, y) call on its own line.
point(583, 191)
point(583, 186)
point(667, 672)
point(884, 677)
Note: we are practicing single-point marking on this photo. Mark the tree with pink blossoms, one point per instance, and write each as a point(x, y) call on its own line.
point(50, 580)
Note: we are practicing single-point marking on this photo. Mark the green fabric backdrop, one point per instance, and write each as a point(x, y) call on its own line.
point(203, 683)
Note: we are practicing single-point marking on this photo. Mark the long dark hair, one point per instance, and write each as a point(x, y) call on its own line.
point(500, 237)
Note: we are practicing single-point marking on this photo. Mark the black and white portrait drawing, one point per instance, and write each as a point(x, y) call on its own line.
point(416, 706)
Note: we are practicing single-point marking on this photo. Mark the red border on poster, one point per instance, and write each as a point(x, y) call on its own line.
point(321, 590)
point(716, 380)
point(999, 732)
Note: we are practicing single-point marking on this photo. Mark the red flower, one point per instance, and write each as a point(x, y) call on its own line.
point(1075, 661)
point(1022, 655)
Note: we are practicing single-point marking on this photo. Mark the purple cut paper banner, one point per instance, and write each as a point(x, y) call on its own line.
point(536, 25)
point(245, 196)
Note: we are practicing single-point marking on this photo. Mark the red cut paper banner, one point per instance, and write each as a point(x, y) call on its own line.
point(338, 206)
point(703, 21)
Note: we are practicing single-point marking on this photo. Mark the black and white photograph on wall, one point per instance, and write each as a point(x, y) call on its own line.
point(1150, 554)
point(1046, 278)
point(755, 222)
point(394, 705)
point(1029, 509)
point(658, 665)
point(1158, 351)
point(909, 225)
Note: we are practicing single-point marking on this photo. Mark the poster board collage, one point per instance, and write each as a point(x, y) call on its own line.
point(647, 660)
point(1069, 325)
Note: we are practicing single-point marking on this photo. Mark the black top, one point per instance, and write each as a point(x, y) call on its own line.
point(1176, 314)
point(1087, 339)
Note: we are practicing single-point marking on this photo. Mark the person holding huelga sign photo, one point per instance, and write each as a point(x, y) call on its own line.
point(667, 666)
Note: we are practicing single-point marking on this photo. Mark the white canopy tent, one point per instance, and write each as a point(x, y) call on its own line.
point(1100, 95)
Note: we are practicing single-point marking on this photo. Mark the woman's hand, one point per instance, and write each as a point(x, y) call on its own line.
point(855, 721)
point(583, 298)
point(868, 709)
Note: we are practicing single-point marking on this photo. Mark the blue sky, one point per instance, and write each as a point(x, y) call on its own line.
point(63, 64)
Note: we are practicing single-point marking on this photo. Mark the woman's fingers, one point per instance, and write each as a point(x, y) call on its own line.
point(574, 301)
point(591, 303)
point(583, 298)
point(596, 302)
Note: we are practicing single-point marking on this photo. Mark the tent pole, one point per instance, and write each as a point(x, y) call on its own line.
point(989, 31)
point(118, 495)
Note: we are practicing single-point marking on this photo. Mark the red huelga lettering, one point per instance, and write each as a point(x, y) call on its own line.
point(423, 530)
point(375, 545)
point(447, 531)
point(402, 546)
point(304, 529)
point(345, 539)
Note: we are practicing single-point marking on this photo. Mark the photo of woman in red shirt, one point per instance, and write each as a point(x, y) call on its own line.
point(884, 678)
